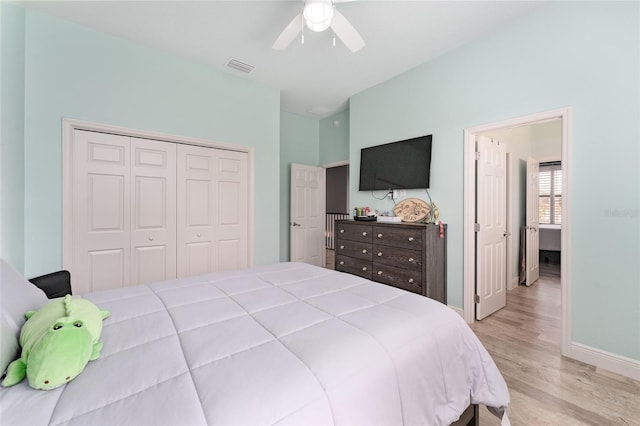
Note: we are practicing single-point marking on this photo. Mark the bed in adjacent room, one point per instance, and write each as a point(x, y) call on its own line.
point(286, 344)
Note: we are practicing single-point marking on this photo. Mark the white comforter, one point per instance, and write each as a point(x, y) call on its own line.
point(286, 344)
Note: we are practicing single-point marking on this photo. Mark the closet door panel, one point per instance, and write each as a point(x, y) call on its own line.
point(101, 202)
point(232, 204)
point(106, 269)
point(196, 175)
point(153, 213)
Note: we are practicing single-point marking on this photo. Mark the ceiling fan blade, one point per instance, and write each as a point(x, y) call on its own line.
point(289, 33)
point(346, 32)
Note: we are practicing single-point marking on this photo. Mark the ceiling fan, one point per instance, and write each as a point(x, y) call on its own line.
point(319, 15)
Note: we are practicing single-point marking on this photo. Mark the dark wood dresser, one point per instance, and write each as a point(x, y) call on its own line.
point(409, 256)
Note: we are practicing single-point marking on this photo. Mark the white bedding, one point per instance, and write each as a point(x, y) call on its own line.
point(286, 344)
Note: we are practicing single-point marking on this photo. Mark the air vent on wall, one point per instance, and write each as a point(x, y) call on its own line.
point(240, 66)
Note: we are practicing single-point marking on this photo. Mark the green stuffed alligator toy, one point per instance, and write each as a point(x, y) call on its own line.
point(57, 343)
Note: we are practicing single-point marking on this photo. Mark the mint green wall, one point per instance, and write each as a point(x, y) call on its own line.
point(78, 73)
point(334, 138)
point(12, 29)
point(579, 54)
point(299, 139)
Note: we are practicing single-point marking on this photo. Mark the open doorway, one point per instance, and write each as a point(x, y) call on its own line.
point(534, 199)
point(562, 117)
point(337, 205)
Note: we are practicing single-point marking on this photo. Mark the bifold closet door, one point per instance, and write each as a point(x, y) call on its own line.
point(153, 211)
point(124, 223)
point(212, 210)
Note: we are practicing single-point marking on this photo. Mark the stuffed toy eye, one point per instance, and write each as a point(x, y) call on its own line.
point(77, 324)
point(57, 326)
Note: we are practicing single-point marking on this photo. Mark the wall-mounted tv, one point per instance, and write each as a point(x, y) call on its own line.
point(404, 164)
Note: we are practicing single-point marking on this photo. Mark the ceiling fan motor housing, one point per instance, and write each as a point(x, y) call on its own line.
point(318, 14)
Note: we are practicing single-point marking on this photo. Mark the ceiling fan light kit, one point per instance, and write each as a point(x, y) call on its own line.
point(318, 14)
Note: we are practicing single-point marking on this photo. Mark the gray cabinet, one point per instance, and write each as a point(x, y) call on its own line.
point(409, 256)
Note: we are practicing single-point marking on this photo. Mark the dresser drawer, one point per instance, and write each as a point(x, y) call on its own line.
point(354, 249)
point(401, 237)
point(354, 266)
point(402, 278)
point(398, 257)
point(353, 232)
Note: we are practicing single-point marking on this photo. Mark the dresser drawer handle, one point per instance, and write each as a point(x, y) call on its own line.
point(410, 238)
point(341, 247)
point(379, 272)
point(364, 234)
point(342, 262)
point(410, 280)
point(364, 269)
point(379, 235)
point(364, 251)
point(379, 254)
point(342, 231)
point(411, 259)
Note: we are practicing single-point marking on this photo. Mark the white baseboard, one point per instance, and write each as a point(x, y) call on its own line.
point(602, 359)
point(460, 311)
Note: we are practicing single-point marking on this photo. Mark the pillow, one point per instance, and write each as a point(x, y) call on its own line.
point(17, 296)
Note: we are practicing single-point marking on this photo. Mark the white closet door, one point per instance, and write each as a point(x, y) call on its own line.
point(212, 210)
point(101, 205)
point(231, 230)
point(153, 211)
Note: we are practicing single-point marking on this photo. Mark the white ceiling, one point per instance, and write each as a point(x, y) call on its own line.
point(315, 79)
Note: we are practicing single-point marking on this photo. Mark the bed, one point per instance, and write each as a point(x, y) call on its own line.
point(283, 344)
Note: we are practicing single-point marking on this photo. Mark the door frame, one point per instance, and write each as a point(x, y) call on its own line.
point(69, 125)
point(469, 204)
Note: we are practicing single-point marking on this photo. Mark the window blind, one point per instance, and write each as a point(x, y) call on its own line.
point(550, 183)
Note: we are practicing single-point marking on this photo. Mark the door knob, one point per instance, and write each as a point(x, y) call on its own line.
point(295, 224)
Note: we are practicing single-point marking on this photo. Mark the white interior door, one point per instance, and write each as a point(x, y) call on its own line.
point(491, 235)
point(533, 236)
point(153, 211)
point(307, 214)
point(101, 206)
point(212, 210)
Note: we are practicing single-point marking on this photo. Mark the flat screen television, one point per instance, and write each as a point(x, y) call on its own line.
point(404, 164)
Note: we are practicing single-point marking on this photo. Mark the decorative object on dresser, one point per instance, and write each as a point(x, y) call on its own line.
point(412, 210)
point(410, 256)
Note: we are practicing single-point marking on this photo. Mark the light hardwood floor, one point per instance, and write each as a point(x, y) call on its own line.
point(545, 388)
